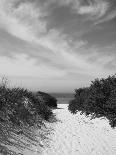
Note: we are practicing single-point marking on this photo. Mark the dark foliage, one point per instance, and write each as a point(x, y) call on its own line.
point(20, 105)
point(48, 99)
point(21, 112)
point(99, 99)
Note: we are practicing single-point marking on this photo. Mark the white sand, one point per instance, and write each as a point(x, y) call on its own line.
point(77, 135)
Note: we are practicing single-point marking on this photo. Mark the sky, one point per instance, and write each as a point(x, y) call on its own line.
point(57, 45)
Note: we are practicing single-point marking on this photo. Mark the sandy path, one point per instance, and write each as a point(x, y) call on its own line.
point(77, 135)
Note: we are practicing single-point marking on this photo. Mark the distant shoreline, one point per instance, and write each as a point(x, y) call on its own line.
point(62, 95)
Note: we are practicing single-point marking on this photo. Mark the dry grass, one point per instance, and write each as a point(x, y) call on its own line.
point(22, 120)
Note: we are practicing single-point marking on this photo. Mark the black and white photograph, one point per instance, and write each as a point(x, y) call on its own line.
point(57, 77)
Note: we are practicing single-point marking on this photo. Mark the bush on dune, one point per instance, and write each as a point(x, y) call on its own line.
point(21, 110)
point(99, 99)
point(20, 105)
point(48, 99)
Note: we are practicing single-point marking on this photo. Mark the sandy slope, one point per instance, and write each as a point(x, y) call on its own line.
point(77, 135)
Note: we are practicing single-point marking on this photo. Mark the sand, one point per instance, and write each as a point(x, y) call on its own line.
point(78, 135)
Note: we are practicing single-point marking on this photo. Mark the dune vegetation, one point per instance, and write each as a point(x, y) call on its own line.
point(98, 100)
point(21, 113)
point(48, 99)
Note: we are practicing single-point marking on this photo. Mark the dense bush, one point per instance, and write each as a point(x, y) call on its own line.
point(22, 112)
point(99, 99)
point(20, 105)
point(48, 99)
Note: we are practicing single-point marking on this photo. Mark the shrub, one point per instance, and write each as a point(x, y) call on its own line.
point(20, 105)
point(99, 99)
point(22, 113)
point(48, 99)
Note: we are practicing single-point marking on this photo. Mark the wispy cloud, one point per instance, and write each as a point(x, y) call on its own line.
point(21, 21)
point(95, 8)
point(111, 15)
point(46, 50)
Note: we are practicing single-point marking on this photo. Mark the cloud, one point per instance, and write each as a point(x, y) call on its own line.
point(93, 10)
point(99, 11)
point(22, 66)
point(111, 15)
point(48, 52)
point(21, 21)
point(96, 8)
point(27, 19)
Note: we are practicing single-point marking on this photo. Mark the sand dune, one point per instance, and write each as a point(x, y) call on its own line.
point(78, 135)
